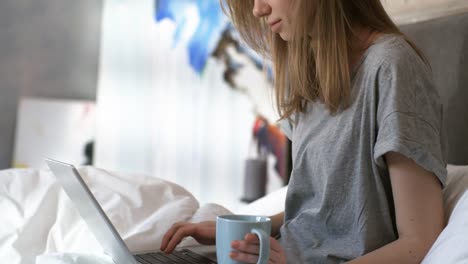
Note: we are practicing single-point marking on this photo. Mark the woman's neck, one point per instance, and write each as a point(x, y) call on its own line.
point(360, 42)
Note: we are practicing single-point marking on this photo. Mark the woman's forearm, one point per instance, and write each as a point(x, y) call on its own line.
point(401, 251)
point(277, 221)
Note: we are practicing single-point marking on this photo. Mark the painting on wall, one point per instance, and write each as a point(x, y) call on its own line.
point(209, 22)
point(58, 129)
point(165, 114)
point(211, 34)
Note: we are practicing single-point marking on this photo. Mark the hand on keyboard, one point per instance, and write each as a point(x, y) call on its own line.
point(204, 233)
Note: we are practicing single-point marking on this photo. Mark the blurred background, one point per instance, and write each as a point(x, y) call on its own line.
point(162, 87)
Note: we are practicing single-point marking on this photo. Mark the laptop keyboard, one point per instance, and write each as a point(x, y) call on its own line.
point(183, 256)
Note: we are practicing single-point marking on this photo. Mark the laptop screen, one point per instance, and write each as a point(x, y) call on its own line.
point(91, 211)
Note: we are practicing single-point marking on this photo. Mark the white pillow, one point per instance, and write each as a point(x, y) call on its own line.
point(271, 204)
point(452, 244)
point(457, 184)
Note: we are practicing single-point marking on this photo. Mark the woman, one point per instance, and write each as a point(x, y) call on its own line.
point(366, 126)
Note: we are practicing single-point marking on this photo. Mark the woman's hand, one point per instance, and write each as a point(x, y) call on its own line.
point(247, 250)
point(204, 233)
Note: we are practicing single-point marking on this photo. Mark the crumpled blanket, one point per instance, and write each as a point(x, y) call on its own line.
point(39, 224)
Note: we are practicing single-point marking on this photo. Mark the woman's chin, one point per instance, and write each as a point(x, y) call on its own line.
point(284, 36)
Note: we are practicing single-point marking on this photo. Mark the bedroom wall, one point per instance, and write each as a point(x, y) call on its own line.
point(51, 48)
point(48, 48)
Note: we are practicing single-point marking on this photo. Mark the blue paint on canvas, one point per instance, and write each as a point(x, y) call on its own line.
point(212, 23)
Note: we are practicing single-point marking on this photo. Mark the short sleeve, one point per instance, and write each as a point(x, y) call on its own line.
point(410, 115)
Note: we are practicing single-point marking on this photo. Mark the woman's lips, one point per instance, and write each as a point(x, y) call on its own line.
point(275, 25)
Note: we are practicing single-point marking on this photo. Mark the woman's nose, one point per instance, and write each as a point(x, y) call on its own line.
point(261, 8)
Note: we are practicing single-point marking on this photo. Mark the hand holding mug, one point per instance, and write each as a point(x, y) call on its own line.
point(245, 239)
point(247, 250)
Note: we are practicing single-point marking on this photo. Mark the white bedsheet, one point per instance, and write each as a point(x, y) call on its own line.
point(38, 220)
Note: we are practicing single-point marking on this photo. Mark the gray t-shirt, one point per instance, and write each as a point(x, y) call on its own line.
point(339, 204)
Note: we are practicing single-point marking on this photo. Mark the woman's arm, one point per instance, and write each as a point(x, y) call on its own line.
point(417, 195)
point(277, 221)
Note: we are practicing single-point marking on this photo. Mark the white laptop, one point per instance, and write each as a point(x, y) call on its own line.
point(105, 232)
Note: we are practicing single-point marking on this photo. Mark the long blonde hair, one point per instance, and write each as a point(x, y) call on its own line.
point(314, 64)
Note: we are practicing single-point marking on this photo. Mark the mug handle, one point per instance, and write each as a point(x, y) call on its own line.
point(264, 245)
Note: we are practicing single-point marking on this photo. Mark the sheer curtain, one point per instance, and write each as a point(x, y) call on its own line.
point(156, 115)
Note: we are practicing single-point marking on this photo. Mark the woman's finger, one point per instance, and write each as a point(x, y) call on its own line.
point(274, 257)
point(248, 249)
point(277, 254)
point(245, 247)
point(275, 245)
point(180, 234)
point(252, 258)
point(252, 238)
point(243, 257)
point(169, 234)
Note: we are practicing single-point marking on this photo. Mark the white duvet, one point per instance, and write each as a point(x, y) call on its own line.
point(39, 224)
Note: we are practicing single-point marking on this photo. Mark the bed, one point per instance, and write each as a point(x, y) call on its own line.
point(38, 223)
